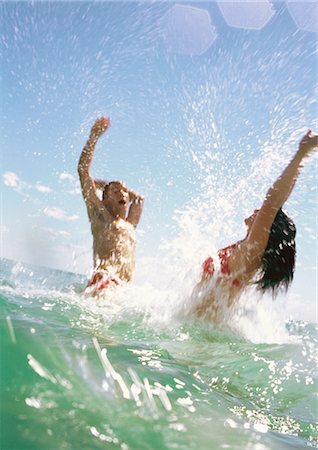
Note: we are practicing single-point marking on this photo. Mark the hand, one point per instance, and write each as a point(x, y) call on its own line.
point(308, 143)
point(135, 197)
point(100, 126)
point(100, 184)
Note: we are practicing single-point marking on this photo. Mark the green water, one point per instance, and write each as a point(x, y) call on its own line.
point(163, 382)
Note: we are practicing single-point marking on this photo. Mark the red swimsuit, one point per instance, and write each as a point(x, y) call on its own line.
point(101, 281)
point(223, 254)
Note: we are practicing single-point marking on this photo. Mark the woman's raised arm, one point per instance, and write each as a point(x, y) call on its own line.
point(277, 196)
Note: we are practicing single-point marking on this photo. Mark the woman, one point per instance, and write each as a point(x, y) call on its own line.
point(266, 257)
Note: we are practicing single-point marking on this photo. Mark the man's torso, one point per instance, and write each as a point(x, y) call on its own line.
point(114, 243)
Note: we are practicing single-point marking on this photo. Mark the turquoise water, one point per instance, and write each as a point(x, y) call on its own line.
point(125, 371)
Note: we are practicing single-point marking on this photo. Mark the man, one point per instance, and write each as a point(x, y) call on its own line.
point(113, 219)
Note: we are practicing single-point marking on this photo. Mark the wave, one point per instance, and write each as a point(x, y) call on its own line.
point(80, 372)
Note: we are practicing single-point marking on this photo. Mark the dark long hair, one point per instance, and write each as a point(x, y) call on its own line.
point(278, 262)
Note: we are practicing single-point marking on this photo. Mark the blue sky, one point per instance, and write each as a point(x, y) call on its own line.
point(204, 117)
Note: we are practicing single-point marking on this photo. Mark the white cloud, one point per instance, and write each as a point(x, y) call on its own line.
point(65, 176)
point(11, 179)
point(51, 233)
point(59, 214)
point(42, 188)
point(63, 233)
point(75, 191)
point(71, 180)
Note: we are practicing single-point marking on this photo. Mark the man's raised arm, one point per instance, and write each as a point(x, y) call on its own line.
point(85, 161)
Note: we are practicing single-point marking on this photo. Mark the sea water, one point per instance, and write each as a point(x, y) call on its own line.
point(128, 370)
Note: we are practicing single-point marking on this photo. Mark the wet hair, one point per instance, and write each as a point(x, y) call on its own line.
point(107, 186)
point(105, 190)
point(278, 262)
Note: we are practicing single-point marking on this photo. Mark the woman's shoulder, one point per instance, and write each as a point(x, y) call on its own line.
point(241, 258)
